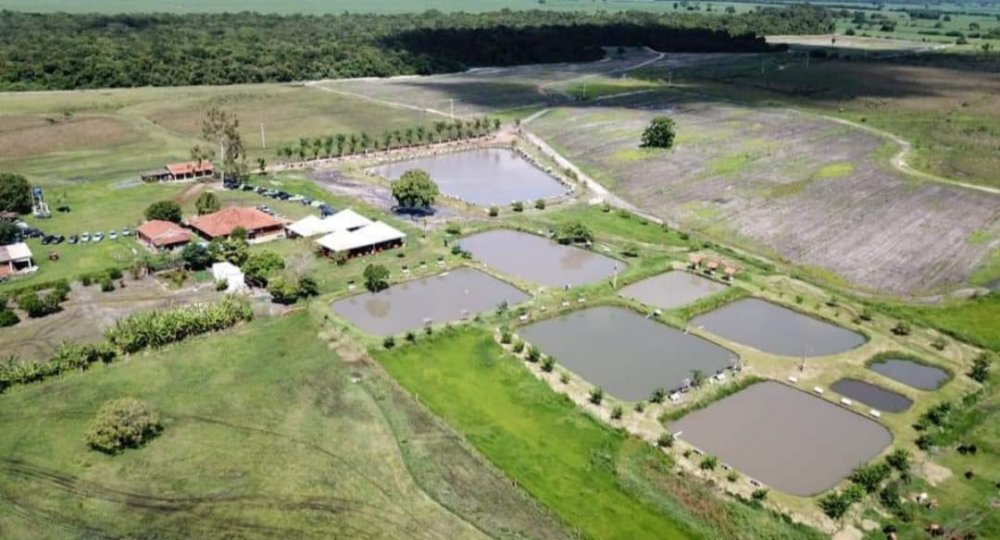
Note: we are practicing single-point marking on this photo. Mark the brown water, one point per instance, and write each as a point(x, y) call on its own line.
point(911, 373)
point(445, 297)
point(785, 438)
point(540, 260)
point(671, 289)
point(872, 395)
point(624, 353)
point(777, 330)
point(485, 177)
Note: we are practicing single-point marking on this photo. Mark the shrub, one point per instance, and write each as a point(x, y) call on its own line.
point(870, 477)
point(389, 342)
point(574, 232)
point(260, 267)
point(410, 336)
point(902, 328)
point(834, 505)
point(733, 476)
point(540, 204)
point(221, 285)
point(506, 337)
point(161, 327)
point(121, 424)
point(282, 291)
point(866, 314)
point(980, 371)
point(899, 460)
point(518, 347)
point(939, 343)
point(630, 250)
point(617, 412)
point(38, 305)
point(658, 395)
point(548, 364)
point(533, 354)
point(115, 273)
point(709, 463)
point(453, 228)
point(659, 133)
point(639, 406)
point(494, 211)
point(86, 280)
point(665, 440)
point(164, 211)
point(429, 330)
point(605, 207)
point(518, 206)
point(759, 494)
point(107, 285)
point(8, 318)
point(597, 395)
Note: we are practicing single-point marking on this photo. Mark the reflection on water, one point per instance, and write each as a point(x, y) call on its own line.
point(540, 260)
point(485, 176)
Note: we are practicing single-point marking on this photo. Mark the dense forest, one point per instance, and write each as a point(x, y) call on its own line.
point(63, 51)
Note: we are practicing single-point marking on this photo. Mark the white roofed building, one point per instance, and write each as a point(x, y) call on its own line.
point(16, 259)
point(231, 274)
point(372, 238)
point(345, 220)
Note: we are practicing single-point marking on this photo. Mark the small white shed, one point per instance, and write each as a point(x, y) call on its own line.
point(231, 274)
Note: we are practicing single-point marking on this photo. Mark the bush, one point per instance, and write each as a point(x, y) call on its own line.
point(939, 343)
point(121, 424)
point(161, 327)
point(899, 460)
point(597, 395)
point(866, 314)
point(639, 406)
point(533, 354)
point(665, 440)
point(282, 291)
point(548, 364)
point(834, 505)
point(902, 328)
point(506, 337)
point(518, 206)
point(630, 250)
point(453, 228)
point(709, 463)
point(164, 211)
point(658, 395)
point(870, 477)
point(107, 285)
point(733, 476)
point(410, 336)
point(38, 305)
point(605, 207)
point(429, 330)
point(617, 412)
point(376, 277)
point(494, 211)
point(389, 342)
point(518, 347)
point(980, 371)
point(659, 133)
point(540, 204)
point(574, 232)
point(564, 377)
point(8, 318)
point(759, 494)
point(221, 285)
point(86, 280)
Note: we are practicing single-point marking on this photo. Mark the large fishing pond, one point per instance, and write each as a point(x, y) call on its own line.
point(672, 289)
point(487, 176)
point(539, 260)
point(910, 373)
point(624, 353)
point(777, 330)
point(445, 297)
point(785, 438)
point(872, 395)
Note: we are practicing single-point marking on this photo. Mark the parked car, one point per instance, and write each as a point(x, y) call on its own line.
point(85, 237)
point(64, 209)
point(73, 239)
point(260, 189)
point(317, 204)
point(59, 239)
point(126, 231)
point(21, 225)
point(46, 240)
point(98, 236)
point(306, 201)
point(113, 235)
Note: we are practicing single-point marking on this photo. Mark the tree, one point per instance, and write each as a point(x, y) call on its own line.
point(870, 477)
point(8, 233)
point(207, 203)
point(697, 378)
point(121, 424)
point(15, 193)
point(232, 250)
point(308, 287)
point(283, 291)
point(899, 460)
point(574, 232)
point(665, 440)
point(164, 211)
point(415, 189)
point(376, 277)
point(196, 257)
point(223, 128)
point(834, 505)
point(262, 166)
point(259, 267)
point(659, 133)
point(980, 371)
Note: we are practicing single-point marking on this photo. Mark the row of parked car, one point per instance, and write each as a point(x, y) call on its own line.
point(324, 208)
point(53, 239)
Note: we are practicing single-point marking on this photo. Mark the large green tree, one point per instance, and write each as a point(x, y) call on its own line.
point(15, 193)
point(659, 133)
point(8, 233)
point(165, 211)
point(207, 203)
point(223, 128)
point(376, 277)
point(415, 189)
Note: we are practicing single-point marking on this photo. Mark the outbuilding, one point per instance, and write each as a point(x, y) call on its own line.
point(187, 170)
point(160, 235)
point(373, 238)
point(260, 227)
point(345, 220)
point(16, 259)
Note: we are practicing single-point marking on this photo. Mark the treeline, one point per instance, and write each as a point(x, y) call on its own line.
point(359, 143)
point(65, 51)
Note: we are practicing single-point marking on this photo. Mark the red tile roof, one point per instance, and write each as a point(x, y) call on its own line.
point(191, 167)
point(225, 221)
point(163, 233)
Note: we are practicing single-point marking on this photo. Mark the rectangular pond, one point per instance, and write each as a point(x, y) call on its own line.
point(777, 330)
point(785, 438)
point(671, 289)
point(445, 297)
point(872, 395)
point(910, 373)
point(540, 260)
point(625, 353)
point(487, 176)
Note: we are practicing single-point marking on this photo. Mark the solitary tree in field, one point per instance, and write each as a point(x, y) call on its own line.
point(207, 203)
point(376, 277)
point(415, 189)
point(164, 211)
point(659, 133)
point(15, 193)
point(223, 128)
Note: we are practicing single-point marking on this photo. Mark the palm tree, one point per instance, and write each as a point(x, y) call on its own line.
point(341, 141)
point(387, 140)
point(421, 134)
point(496, 124)
point(365, 142)
point(302, 151)
point(317, 145)
point(439, 128)
point(262, 165)
point(353, 143)
point(328, 146)
point(697, 378)
point(396, 134)
point(409, 136)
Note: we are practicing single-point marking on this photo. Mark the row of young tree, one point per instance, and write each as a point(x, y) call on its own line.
point(68, 51)
point(361, 143)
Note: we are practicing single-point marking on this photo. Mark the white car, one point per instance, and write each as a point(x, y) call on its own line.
point(85, 237)
point(126, 231)
point(98, 236)
point(113, 235)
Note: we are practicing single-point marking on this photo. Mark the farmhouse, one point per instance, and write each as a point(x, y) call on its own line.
point(180, 171)
point(16, 259)
point(260, 227)
point(371, 238)
point(345, 220)
point(162, 235)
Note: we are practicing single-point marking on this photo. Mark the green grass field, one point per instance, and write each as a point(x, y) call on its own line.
point(975, 321)
point(601, 483)
point(265, 436)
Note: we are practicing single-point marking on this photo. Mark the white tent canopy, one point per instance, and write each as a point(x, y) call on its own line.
point(370, 235)
point(345, 220)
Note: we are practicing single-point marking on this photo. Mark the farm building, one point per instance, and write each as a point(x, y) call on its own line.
point(180, 171)
point(231, 274)
point(162, 235)
point(260, 227)
point(371, 238)
point(345, 220)
point(16, 259)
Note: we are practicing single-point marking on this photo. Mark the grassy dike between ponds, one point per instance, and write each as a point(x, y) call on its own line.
point(598, 481)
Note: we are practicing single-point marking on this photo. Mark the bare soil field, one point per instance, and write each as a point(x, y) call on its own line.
point(810, 190)
point(89, 312)
point(22, 136)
